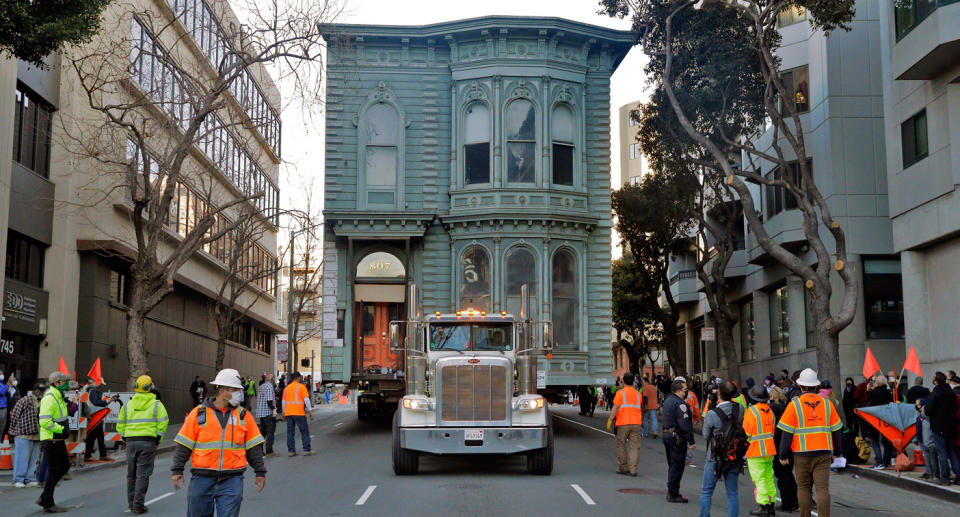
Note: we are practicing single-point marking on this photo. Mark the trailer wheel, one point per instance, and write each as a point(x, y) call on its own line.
point(540, 461)
point(405, 461)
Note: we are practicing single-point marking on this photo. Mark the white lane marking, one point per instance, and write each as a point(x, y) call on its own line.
point(159, 497)
point(584, 425)
point(366, 495)
point(583, 494)
point(813, 513)
point(338, 425)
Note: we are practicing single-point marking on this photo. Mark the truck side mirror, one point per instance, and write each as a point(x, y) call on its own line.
point(548, 336)
point(394, 336)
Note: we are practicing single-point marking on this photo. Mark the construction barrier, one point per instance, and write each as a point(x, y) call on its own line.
point(111, 437)
point(76, 447)
point(6, 454)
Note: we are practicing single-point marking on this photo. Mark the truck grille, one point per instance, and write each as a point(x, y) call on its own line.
point(473, 393)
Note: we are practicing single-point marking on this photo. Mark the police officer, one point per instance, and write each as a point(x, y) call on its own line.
point(677, 436)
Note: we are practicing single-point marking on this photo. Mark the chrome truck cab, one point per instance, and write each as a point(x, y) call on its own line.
point(471, 387)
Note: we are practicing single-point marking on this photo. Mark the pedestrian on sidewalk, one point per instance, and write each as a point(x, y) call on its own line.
point(786, 483)
point(941, 411)
point(220, 439)
point(296, 407)
point(721, 423)
point(7, 389)
point(91, 406)
point(25, 426)
point(250, 390)
point(198, 391)
point(142, 423)
point(54, 428)
point(677, 437)
point(759, 423)
point(879, 394)
point(629, 419)
point(650, 406)
point(811, 430)
point(265, 412)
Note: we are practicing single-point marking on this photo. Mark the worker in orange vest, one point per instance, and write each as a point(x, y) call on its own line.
point(220, 439)
point(296, 407)
point(628, 414)
point(811, 430)
point(759, 424)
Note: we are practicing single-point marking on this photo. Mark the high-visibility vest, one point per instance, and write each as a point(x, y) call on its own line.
point(694, 404)
point(740, 400)
point(219, 448)
point(629, 411)
point(758, 424)
point(811, 418)
point(293, 396)
point(150, 421)
point(53, 416)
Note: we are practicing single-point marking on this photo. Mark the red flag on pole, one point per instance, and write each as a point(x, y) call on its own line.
point(95, 373)
point(62, 368)
point(870, 365)
point(913, 363)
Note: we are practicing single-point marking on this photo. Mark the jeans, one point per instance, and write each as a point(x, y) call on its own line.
point(268, 428)
point(649, 420)
point(207, 493)
point(293, 422)
point(884, 457)
point(944, 455)
point(26, 457)
point(58, 463)
point(140, 456)
point(731, 476)
point(930, 465)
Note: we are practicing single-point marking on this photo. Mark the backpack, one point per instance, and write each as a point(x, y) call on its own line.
point(730, 442)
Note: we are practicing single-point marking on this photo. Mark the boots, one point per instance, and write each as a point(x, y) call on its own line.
point(765, 510)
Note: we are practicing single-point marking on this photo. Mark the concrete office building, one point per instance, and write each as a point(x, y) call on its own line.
point(68, 260)
point(836, 85)
point(633, 164)
point(920, 47)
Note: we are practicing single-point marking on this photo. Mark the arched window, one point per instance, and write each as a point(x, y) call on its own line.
point(521, 142)
point(566, 315)
point(476, 145)
point(383, 128)
point(521, 268)
point(562, 132)
point(475, 279)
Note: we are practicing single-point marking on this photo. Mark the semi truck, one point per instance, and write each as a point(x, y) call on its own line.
point(471, 386)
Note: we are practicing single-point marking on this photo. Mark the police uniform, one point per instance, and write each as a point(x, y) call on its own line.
point(677, 436)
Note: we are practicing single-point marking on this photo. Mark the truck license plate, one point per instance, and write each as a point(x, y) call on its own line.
point(473, 435)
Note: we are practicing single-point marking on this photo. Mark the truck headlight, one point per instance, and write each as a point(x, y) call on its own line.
point(528, 403)
point(417, 403)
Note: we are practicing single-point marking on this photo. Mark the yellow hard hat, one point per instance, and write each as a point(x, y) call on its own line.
point(144, 383)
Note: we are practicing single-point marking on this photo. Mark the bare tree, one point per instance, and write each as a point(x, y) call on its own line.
point(173, 120)
point(306, 277)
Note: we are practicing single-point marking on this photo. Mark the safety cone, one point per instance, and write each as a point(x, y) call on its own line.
point(6, 454)
point(918, 457)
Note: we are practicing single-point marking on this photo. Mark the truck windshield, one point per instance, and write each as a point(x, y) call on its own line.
point(471, 336)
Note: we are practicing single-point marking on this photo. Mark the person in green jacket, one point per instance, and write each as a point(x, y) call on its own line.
point(142, 423)
point(54, 428)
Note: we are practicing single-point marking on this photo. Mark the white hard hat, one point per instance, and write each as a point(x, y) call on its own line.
point(228, 378)
point(679, 378)
point(808, 378)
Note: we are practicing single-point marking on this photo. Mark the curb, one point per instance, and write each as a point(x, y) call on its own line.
point(907, 483)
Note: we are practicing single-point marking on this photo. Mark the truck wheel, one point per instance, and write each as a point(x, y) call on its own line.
point(405, 461)
point(361, 411)
point(540, 461)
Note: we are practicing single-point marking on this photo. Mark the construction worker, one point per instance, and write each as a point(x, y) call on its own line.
point(53, 431)
point(811, 430)
point(759, 424)
point(629, 418)
point(142, 423)
point(677, 436)
point(220, 440)
point(296, 407)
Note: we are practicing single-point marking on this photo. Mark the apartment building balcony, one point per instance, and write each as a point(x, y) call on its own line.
point(684, 285)
point(928, 39)
point(785, 229)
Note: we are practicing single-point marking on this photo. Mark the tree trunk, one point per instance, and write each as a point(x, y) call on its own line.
point(729, 347)
point(136, 347)
point(676, 355)
point(221, 351)
point(828, 343)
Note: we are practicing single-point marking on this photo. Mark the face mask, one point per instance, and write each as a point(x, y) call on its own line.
point(235, 398)
point(767, 383)
point(1, 377)
point(62, 388)
point(15, 383)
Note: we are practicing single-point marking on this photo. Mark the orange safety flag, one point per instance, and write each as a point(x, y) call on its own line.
point(97, 418)
point(62, 368)
point(870, 365)
point(913, 363)
point(95, 373)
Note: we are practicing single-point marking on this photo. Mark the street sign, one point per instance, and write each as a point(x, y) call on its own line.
point(541, 379)
point(281, 347)
point(708, 334)
point(600, 381)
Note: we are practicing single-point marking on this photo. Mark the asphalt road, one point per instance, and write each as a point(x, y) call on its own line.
point(351, 475)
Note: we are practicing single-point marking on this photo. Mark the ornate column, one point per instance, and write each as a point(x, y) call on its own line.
point(496, 266)
point(454, 170)
point(497, 149)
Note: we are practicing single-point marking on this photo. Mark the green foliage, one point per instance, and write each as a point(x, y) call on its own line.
point(655, 216)
point(32, 29)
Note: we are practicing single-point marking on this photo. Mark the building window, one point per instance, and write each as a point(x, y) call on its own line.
point(475, 279)
point(261, 340)
point(778, 199)
point(564, 302)
point(24, 259)
point(562, 129)
point(747, 328)
point(883, 297)
point(521, 141)
point(913, 137)
point(796, 83)
point(520, 266)
point(791, 15)
point(239, 333)
point(381, 151)
point(633, 118)
point(118, 287)
point(476, 145)
point(31, 133)
point(779, 323)
point(635, 181)
point(634, 151)
point(909, 13)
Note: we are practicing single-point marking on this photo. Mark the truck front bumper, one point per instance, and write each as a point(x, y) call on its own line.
point(496, 440)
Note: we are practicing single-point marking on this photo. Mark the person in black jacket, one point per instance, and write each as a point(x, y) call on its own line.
point(849, 404)
point(917, 391)
point(941, 410)
point(879, 394)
